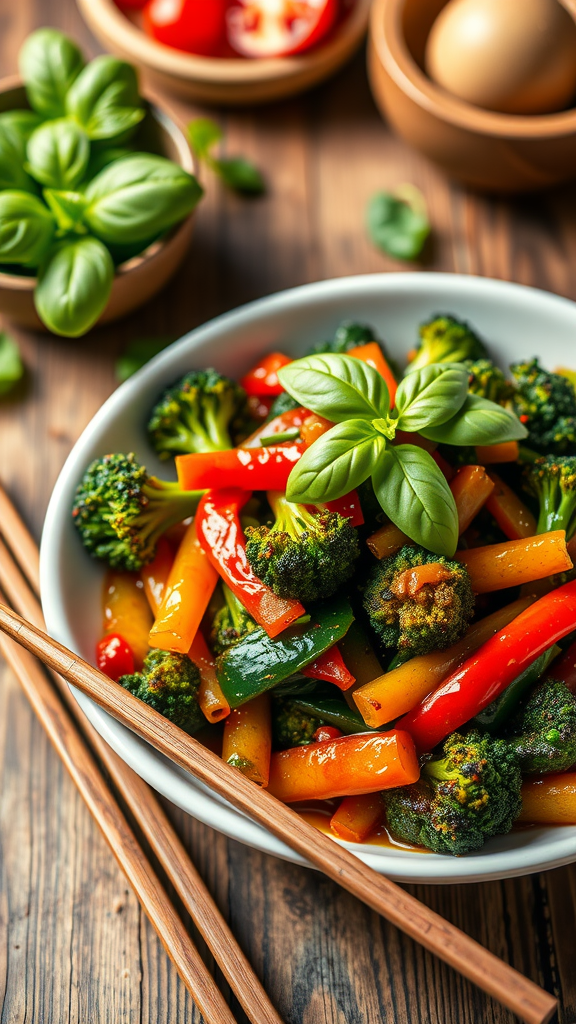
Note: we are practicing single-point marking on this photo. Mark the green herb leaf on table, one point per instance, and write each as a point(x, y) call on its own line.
point(49, 63)
point(204, 134)
point(11, 366)
point(398, 222)
point(237, 173)
point(337, 387)
point(336, 463)
point(105, 100)
point(431, 396)
point(139, 352)
point(74, 286)
point(26, 228)
point(478, 422)
point(12, 157)
point(415, 496)
point(58, 153)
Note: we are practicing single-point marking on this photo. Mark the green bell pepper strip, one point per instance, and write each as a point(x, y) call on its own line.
point(334, 712)
point(257, 662)
point(497, 714)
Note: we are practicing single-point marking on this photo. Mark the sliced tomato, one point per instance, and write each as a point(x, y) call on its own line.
point(197, 26)
point(278, 28)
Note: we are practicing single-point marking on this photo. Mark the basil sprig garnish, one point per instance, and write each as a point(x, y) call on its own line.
point(410, 487)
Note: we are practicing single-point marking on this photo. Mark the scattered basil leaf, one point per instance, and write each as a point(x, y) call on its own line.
point(11, 366)
point(68, 209)
point(137, 354)
point(398, 223)
point(478, 422)
point(105, 100)
point(139, 197)
point(49, 63)
point(431, 396)
point(12, 157)
point(415, 496)
point(74, 286)
point(26, 228)
point(58, 153)
point(237, 173)
point(204, 134)
point(337, 387)
point(336, 463)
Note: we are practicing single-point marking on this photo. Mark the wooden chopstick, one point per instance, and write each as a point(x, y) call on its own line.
point(145, 807)
point(498, 979)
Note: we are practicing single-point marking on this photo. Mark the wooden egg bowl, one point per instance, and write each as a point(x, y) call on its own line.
point(491, 151)
point(217, 80)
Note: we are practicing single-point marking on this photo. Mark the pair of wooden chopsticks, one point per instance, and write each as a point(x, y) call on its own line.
point(495, 977)
point(75, 753)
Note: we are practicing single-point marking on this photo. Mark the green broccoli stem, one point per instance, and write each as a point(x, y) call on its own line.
point(291, 518)
point(557, 508)
point(167, 506)
point(437, 770)
point(236, 609)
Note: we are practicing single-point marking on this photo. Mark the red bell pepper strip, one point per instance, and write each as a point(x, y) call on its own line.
point(220, 534)
point(564, 669)
point(262, 379)
point(114, 656)
point(485, 675)
point(349, 507)
point(326, 732)
point(286, 421)
point(330, 667)
point(371, 353)
point(251, 469)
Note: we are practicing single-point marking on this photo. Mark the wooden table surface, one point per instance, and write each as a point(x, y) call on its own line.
point(74, 945)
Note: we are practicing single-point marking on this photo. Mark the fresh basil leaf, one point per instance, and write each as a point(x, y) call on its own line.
point(22, 121)
point(26, 228)
point(49, 63)
point(139, 197)
point(337, 387)
point(74, 286)
point(204, 134)
point(58, 153)
point(240, 175)
point(137, 354)
point(431, 396)
point(11, 366)
point(414, 494)
point(398, 224)
point(478, 422)
point(105, 100)
point(12, 158)
point(68, 209)
point(336, 463)
point(101, 158)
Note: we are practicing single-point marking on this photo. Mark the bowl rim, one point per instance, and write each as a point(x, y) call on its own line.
point(392, 51)
point(529, 854)
point(170, 123)
point(221, 70)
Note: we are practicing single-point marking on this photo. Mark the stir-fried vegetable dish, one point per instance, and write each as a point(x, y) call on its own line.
point(360, 589)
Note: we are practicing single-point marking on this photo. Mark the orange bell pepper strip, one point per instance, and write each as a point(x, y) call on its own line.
point(491, 454)
point(189, 587)
point(252, 469)
point(247, 743)
point(394, 693)
point(471, 488)
point(513, 517)
point(347, 766)
point(220, 534)
point(331, 668)
point(155, 575)
point(313, 427)
point(515, 562)
point(126, 611)
point(550, 800)
point(357, 817)
point(262, 379)
point(279, 425)
point(373, 355)
point(213, 703)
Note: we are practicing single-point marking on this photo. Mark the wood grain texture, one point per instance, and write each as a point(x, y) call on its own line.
point(73, 945)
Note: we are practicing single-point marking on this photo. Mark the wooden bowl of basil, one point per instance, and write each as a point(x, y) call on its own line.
point(138, 275)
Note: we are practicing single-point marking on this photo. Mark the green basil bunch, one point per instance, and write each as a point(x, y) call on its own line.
point(75, 198)
point(433, 402)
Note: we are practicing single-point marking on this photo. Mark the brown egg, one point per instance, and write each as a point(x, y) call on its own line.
point(513, 56)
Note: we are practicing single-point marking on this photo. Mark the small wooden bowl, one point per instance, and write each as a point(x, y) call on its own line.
point(491, 151)
point(231, 82)
point(141, 277)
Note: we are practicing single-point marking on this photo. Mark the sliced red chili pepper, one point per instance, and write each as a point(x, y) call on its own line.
point(220, 534)
point(252, 469)
point(489, 671)
point(286, 421)
point(114, 656)
point(326, 732)
point(262, 379)
point(330, 667)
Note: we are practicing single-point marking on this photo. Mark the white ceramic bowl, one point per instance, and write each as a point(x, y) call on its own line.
point(516, 321)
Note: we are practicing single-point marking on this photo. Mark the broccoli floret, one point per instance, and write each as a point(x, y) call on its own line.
point(304, 555)
point(461, 799)
point(196, 414)
point(552, 479)
point(291, 726)
point(487, 380)
point(230, 623)
point(446, 340)
point(120, 512)
point(414, 615)
point(546, 404)
point(283, 403)
point(543, 733)
point(169, 683)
